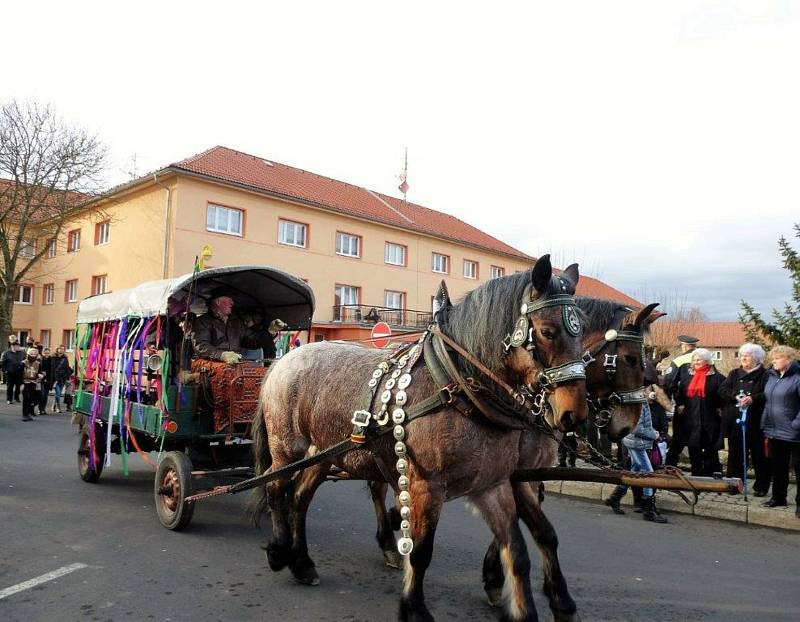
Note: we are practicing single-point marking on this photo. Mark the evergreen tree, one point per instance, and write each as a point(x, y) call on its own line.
point(785, 329)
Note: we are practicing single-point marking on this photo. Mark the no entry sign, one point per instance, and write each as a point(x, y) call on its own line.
point(381, 329)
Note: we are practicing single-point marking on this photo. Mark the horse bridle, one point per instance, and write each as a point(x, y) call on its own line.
point(522, 336)
point(602, 406)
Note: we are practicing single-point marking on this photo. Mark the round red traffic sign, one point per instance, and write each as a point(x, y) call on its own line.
point(381, 329)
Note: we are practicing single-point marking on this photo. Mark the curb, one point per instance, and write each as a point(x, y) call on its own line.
point(709, 505)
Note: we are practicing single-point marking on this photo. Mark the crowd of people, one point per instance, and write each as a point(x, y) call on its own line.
point(31, 372)
point(754, 410)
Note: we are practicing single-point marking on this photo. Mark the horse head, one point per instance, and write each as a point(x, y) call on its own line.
point(615, 370)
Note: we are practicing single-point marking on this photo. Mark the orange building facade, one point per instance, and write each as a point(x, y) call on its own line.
point(367, 256)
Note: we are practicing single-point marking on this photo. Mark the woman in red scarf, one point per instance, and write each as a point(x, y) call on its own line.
point(698, 406)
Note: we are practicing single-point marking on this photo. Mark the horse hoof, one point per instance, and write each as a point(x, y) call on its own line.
point(306, 575)
point(393, 559)
point(419, 614)
point(278, 556)
point(495, 597)
point(563, 616)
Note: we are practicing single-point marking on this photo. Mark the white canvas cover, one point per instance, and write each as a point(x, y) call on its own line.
point(269, 290)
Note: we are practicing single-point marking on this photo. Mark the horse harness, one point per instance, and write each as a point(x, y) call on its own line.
point(602, 406)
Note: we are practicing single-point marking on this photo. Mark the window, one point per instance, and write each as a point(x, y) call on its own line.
point(27, 249)
point(24, 295)
point(348, 245)
point(99, 284)
point(394, 254)
point(470, 269)
point(344, 295)
point(22, 336)
point(496, 272)
point(73, 240)
point(68, 339)
point(393, 300)
point(48, 294)
point(44, 337)
point(51, 250)
point(716, 355)
point(440, 263)
point(292, 233)
point(101, 232)
point(71, 291)
point(224, 220)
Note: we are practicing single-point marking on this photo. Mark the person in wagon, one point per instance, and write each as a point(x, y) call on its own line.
point(220, 336)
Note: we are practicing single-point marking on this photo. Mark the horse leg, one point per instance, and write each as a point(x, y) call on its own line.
point(306, 484)
point(493, 578)
point(426, 505)
point(497, 507)
point(385, 534)
point(278, 549)
point(528, 503)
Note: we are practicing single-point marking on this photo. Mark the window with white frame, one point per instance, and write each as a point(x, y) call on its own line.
point(99, 284)
point(496, 272)
point(24, 295)
point(470, 269)
point(71, 291)
point(45, 338)
point(74, 240)
point(440, 263)
point(27, 249)
point(346, 295)
point(51, 250)
point(48, 294)
point(348, 245)
point(393, 300)
point(68, 339)
point(102, 230)
point(224, 220)
point(292, 233)
point(394, 254)
point(716, 355)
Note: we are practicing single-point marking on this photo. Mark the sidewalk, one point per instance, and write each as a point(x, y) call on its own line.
point(709, 504)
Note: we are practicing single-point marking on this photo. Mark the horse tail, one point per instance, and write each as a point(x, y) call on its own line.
point(258, 503)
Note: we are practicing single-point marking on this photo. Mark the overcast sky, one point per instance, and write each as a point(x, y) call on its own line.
point(656, 143)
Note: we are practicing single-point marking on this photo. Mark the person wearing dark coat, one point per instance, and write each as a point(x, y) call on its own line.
point(699, 422)
point(47, 382)
point(781, 422)
point(744, 387)
point(13, 362)
point(62, 372)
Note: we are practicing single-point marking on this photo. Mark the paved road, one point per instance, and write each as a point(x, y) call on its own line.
point(619, 568)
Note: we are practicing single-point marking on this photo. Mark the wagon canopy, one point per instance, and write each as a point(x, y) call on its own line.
point(262, 289)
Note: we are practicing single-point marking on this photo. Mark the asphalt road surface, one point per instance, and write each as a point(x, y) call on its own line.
point(117, 563)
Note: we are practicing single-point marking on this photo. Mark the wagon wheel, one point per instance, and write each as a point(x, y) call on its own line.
point(173, 484)
point(85, 470)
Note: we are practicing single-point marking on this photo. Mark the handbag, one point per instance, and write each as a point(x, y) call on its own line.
point(654, 453)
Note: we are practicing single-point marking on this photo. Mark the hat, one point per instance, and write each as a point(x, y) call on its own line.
point(219, 292)
point(32, 352)
point(12, 339)
point(688, 339)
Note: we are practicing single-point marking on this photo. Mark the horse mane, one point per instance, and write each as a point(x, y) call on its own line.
point(483, 317)
point(600, 315)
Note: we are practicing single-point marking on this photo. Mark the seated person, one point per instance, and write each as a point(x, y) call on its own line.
point(219, 336)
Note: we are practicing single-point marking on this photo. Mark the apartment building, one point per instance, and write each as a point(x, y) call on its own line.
point(367, 256)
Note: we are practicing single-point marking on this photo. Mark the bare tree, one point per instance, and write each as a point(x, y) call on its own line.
point(49, 171)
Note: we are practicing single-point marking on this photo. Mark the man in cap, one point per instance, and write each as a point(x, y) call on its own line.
point(220, 337)
point(688, 345)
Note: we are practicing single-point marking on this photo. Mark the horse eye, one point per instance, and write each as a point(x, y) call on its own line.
point(547, 334)
point(631, 360)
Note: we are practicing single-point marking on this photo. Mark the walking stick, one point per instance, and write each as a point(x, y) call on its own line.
point(742, 421)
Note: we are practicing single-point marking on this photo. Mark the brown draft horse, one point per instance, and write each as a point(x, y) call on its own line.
point(310, 395)
point(612, 383)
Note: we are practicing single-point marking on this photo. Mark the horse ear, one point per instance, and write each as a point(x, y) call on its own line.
point(442, 298)
point(541, 273)
point(572, 275)
point(643, 314)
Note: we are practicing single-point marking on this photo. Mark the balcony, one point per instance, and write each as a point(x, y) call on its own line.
point(367, 315)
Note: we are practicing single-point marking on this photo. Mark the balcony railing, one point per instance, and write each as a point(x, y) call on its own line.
point(368, 315)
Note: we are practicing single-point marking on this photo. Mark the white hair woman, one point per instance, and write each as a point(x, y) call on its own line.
point(781, 422)
point(699, 403)
point(744, 389)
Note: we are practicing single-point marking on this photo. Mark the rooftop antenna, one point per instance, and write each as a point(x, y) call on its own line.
point(403, 187)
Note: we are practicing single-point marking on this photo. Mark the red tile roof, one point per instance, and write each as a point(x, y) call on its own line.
point(710, 334)
point(593, 288)
point(228, 165)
